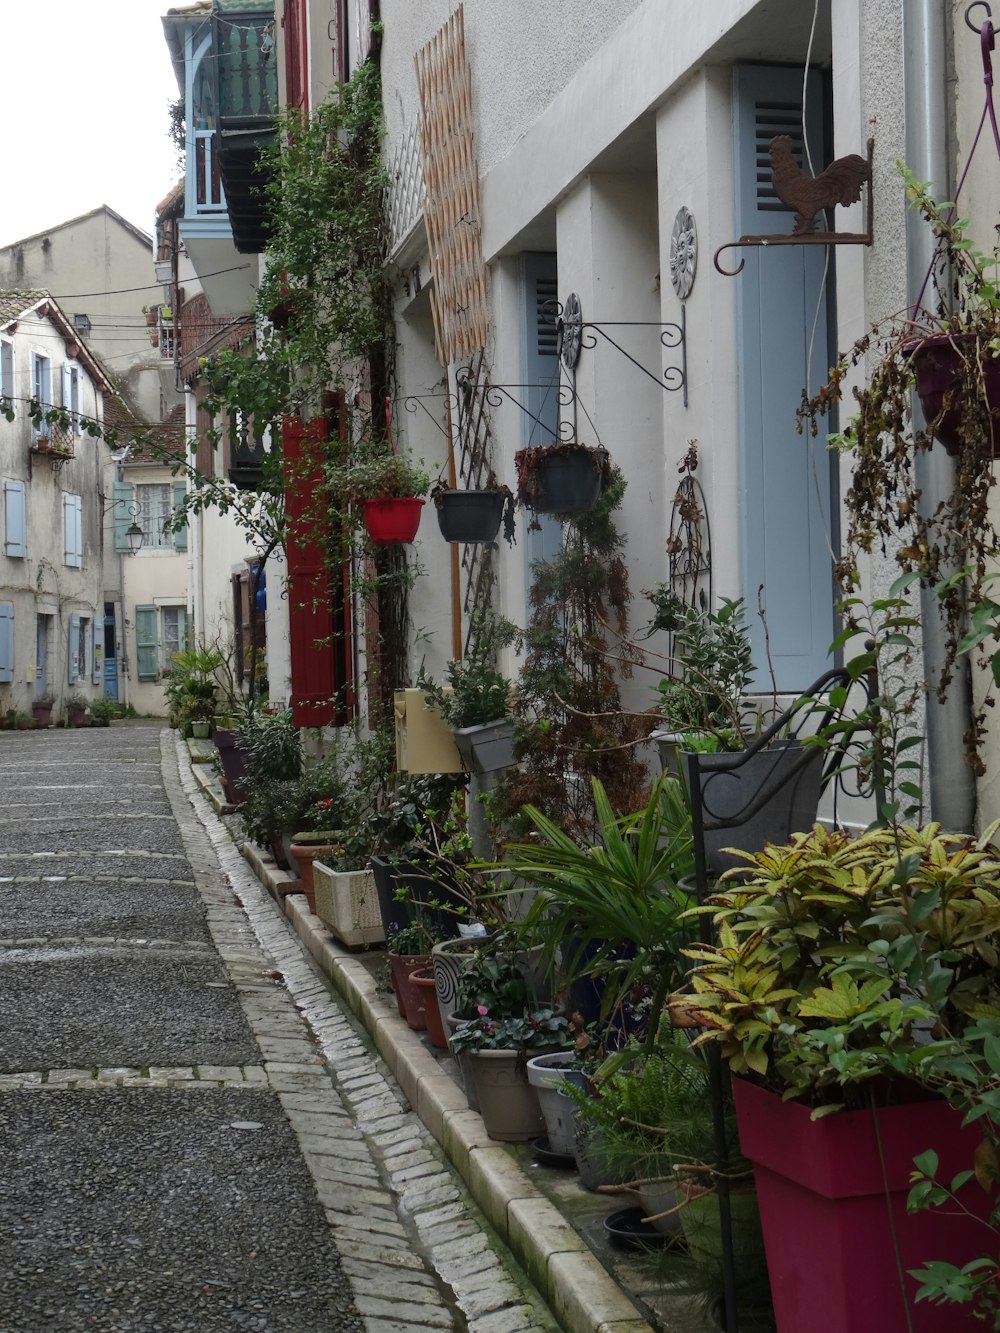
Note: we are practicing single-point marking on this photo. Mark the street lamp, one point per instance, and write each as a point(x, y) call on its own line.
point(134, 535)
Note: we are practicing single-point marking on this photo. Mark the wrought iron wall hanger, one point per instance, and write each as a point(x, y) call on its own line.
point(574, 333)
point(809, 196)
point(495, 394)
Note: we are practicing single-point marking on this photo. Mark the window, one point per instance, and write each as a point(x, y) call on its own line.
point(71, 395)
point(154, 502)
point(82, 324)
point(160, 632)
point(6, 368)
point(41, 386)
point(15, 541)
point(73, 531)
point(79, 643)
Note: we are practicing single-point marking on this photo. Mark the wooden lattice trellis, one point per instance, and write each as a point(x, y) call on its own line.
point(451, 178)
point(474, 460)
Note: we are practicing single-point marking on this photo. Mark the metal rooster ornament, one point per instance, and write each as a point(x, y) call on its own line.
point(808, 196)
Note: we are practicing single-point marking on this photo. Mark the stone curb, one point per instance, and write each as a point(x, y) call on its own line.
point(579, 1291)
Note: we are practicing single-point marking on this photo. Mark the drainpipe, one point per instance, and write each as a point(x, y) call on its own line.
point(951, 781)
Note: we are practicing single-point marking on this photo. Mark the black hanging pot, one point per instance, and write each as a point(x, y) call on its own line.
point(470, 516)
point(561, 478)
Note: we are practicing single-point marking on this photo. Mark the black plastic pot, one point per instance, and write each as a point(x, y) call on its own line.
point(421, 883)
point(469, 516)
point(567, 481)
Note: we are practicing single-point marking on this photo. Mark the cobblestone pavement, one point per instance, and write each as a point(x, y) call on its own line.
point(194, 1135)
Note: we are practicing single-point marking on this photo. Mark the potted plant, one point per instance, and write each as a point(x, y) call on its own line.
point(838, 962)
point(476, 701)
point(946, 348)
point(468, 516)
point(565, 478)
point(615, 910)
point(41, 709)
point(76, 709)
point(409, 948)
point(380, 485)
point(496, 1028)
point(102, 711)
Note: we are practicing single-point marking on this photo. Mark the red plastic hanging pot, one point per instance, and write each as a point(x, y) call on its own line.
point(392, 521)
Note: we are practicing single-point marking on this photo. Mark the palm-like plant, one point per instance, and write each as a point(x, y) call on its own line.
point(615, 909)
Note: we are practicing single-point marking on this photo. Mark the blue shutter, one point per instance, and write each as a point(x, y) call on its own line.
point(97, 646)
point(73, 649)
point(540, 372)
point(146, 643)
point(6, 642)
point(14, 519)
point(73, 531)
point(121, 509)
point(785, 478)
point(181, 534)
point(6, 369)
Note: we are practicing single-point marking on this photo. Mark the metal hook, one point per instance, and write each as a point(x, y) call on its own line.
point(977, 4)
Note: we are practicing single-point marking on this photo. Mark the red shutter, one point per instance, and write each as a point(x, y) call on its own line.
point(310, 616)
point(296, 54)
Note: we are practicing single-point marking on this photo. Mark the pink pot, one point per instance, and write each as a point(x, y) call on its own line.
point(824, 1211)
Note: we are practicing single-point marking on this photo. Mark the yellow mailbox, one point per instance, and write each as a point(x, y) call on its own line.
point(423, 742)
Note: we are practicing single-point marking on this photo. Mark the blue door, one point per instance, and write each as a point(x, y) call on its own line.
point(110, 653)
point(786, 479)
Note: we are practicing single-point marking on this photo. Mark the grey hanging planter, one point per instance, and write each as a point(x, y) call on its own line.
point(561, 478)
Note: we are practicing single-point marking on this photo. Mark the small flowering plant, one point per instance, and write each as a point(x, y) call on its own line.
point(414, 939)
point(532, 1028)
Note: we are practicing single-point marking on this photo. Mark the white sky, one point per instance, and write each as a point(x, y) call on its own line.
point(86, 90)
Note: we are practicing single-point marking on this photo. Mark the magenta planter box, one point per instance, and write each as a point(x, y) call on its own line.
point(824, 1213)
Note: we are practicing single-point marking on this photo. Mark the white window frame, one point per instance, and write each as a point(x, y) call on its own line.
point(41, 386)
point(156, 505)
point(72, 383)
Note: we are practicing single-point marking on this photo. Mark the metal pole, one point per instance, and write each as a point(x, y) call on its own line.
point(951, 780)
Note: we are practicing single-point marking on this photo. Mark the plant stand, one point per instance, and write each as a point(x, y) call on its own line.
point(346, 902)
point(824, 1210)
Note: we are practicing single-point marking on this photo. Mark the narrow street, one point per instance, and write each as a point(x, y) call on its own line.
point(193, 1133)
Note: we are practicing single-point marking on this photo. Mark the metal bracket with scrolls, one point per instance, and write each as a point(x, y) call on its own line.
point(573, 333)
point(840, 183)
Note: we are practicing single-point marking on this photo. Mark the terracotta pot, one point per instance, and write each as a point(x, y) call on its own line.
point(412, 997)
point(42, 713)
point(826, 1188)
point(305, 853)
point(423, 980)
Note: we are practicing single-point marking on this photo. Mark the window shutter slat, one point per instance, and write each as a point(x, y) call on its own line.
point(122, 498)
point(15, 520)
point(146, 643)
point(6, 642)
point(73, 649)
point(181, 534)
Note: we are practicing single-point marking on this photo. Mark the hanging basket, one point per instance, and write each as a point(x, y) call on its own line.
point(940, 365)
point(561, 478)
point(392, 522)
point(470, 516)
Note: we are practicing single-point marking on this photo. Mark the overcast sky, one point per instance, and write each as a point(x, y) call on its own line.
point(86, 91)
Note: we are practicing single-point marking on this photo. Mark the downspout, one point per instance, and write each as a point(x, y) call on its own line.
point(951, 781)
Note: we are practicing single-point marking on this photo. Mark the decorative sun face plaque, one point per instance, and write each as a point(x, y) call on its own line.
point(570, 327)
point(683, 253)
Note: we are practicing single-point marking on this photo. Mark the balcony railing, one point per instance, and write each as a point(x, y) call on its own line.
point(248, 75)
point(209, 197)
